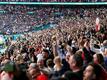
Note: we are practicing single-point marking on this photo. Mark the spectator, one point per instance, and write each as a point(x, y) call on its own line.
point(76, 64)
point(58, 68)
point(94, 72)
point(99, 59)
point(35, 72)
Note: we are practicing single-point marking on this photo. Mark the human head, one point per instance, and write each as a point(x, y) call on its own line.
point(33, 69)
point(98, 58)
point(45, 53)
point(67, 56)
point(70, 51)
point(32, 65)
point(92, 72)
point(57, 60)
point(81, 43)
point(40, 63)
point(49, 63)
point(75, 61)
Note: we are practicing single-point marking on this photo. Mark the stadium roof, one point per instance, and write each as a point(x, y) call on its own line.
point(55, 3)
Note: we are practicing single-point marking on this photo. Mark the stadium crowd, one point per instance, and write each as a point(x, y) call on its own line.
point(18, 19)
point(53, 0)
point(73, 50)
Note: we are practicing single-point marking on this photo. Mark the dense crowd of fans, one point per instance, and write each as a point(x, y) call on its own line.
point(17, 19)
point(53, 0)
point(73, 50)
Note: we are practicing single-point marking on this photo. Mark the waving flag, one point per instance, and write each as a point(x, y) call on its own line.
point(97, 24)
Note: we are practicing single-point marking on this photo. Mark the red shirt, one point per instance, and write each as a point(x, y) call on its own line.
point(42, 77)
